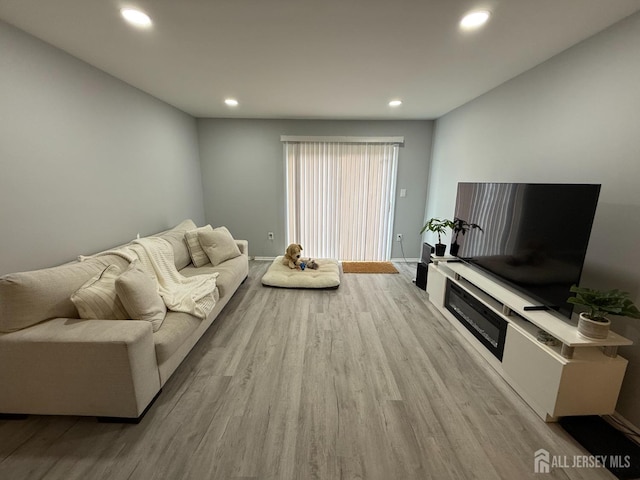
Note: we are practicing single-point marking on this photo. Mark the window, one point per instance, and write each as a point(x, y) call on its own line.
point(340, 195)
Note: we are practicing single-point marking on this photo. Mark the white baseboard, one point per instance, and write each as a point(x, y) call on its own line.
point(263, 259)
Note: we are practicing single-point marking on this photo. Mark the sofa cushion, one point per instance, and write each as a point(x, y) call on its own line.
point(175, 237)
point(175, 329)
point(198, 255)
point(27, 298)
point(97, 299)
point(219, 245)
point(231, 273)
point(138, 292)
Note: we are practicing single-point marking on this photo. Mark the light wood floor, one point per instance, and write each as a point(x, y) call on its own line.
point(363, 382)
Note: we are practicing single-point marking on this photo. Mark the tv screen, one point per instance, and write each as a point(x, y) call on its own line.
point(533, 236)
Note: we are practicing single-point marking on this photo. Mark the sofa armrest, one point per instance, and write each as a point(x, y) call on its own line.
point(243, 245)
point(79, 367)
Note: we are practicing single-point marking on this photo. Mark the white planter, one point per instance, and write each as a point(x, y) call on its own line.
point(592, 329)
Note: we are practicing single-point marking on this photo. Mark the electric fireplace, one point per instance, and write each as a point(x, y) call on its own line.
point(488, 327)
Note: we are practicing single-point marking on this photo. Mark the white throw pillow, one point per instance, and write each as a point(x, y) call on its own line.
point(138, 292)
point(198, 256)
point(97, 298)
point(219, 245)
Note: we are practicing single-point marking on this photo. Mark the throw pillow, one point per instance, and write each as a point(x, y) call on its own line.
point(198, 256)
point(97, 298)
point(219, 245)
point(138, 292)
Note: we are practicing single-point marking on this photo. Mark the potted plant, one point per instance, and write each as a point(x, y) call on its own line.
point(460, 227)
point(439, 227)
point(594, 322)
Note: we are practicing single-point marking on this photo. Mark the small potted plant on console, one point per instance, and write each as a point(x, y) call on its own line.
point(439, 227)
point(599, 303)
point(460, 226)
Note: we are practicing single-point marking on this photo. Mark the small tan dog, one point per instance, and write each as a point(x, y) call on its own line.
point(292, 256)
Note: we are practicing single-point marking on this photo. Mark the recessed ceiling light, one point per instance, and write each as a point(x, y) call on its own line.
point(232, 102)
point(136, 17)
point(475, 19)
point(395, 103)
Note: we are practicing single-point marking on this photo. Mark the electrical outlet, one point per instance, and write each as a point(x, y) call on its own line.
point(398, 237)
point(270, 235)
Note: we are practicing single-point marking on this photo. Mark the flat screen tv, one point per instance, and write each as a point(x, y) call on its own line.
point(533, 236)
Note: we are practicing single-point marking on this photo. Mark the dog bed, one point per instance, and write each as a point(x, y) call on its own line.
point(326, 276)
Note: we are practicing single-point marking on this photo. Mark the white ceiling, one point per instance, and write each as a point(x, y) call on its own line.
point(339, 59)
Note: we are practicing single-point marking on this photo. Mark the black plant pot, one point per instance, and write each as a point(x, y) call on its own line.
point(453, 249)
point(440, 249)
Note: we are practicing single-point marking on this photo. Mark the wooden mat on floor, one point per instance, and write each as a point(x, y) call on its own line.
point(368, 267)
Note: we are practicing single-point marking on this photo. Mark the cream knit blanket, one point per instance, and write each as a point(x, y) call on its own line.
point(194, 295)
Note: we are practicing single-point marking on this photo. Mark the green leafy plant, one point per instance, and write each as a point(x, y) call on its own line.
point(599, 303)
point(438, 226)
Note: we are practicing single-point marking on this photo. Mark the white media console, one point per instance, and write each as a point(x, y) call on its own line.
point(579, 376)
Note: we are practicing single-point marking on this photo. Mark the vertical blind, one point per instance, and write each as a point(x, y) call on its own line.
point(340, 198)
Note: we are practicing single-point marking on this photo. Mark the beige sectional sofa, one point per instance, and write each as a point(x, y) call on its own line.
point(53, 363)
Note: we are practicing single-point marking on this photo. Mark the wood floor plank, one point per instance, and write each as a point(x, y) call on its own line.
point(378, 372)
point(364, 382)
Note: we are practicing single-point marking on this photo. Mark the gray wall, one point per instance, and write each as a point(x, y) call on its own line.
point(244, 179)
point(574, 118)
point(86, 161)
